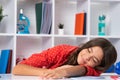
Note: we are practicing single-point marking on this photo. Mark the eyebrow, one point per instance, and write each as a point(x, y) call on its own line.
point(94, 56)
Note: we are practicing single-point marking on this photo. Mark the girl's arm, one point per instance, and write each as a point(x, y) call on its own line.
point(60, 72)
point(66, 71)
point(22, 69)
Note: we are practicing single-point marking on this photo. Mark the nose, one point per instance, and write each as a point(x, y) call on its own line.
point(88, 57)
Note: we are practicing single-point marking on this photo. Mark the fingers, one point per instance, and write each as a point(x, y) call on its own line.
point(54, 74)
point(48, 74)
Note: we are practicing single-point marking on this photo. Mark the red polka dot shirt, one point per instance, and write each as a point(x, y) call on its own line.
point(55, 57)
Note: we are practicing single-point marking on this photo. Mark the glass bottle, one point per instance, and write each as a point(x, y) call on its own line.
point(23, 24)
point(101, 25)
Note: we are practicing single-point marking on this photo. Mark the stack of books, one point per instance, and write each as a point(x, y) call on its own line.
point(5, 61)
point(43, 17)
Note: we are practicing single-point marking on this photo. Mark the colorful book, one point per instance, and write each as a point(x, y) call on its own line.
point(85, 23)
point(79, 24)
point(9, 63)
point(38, 9)
point(47, 18)
point(4, 60)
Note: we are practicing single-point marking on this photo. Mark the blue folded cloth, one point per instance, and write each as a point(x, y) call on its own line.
point(111, 69)
point(117, 68)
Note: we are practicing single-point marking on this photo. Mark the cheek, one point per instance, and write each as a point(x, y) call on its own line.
point(79, 59)
point(91, 64)
point(81, 56)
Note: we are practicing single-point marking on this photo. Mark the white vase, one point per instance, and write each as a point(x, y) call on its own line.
point(60, 31)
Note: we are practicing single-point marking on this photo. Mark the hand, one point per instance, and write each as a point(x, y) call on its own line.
point(56, 73)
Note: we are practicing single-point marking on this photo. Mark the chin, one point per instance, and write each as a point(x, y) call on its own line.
point(80, 62)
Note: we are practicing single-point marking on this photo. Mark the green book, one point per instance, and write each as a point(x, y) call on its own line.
point(38, 10)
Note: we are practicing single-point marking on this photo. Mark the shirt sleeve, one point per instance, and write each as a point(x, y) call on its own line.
point(42, 59)
point(49, 57)
point(36, 60)
point(92, 72)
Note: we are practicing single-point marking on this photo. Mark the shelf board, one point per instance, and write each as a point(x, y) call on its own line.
point(84, 36)
point(41, 35)
point(107, 36)
point(6, 34)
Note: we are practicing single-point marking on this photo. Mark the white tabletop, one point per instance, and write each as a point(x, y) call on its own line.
point(15, 77)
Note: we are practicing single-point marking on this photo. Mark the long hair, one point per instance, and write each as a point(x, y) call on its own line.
point(109, 52)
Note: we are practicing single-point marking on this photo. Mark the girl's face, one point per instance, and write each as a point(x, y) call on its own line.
point(91, 56)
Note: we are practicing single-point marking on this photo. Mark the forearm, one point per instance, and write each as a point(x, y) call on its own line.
point(22, 69)
point(75, 71)
point(65, 71)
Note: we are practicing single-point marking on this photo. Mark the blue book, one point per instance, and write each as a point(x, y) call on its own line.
point(4, 61)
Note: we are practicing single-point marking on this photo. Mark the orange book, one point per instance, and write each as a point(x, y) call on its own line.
point(79, 24)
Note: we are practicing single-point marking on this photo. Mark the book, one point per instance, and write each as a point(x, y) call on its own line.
point(46, 18)
point(9, 63)
point(85, 23)
point(4, 61)
point(43, 17)
point(79, 23)
point(38, 9)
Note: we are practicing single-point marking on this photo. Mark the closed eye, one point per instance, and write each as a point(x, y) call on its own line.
point(89, 50)
point(95, 60)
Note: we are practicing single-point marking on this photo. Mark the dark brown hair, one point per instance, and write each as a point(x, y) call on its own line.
point(109, 51)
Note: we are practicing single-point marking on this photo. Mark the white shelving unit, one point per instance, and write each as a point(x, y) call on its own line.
point(24, 45)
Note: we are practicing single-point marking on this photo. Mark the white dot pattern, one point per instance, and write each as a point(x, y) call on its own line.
point(50, 58)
